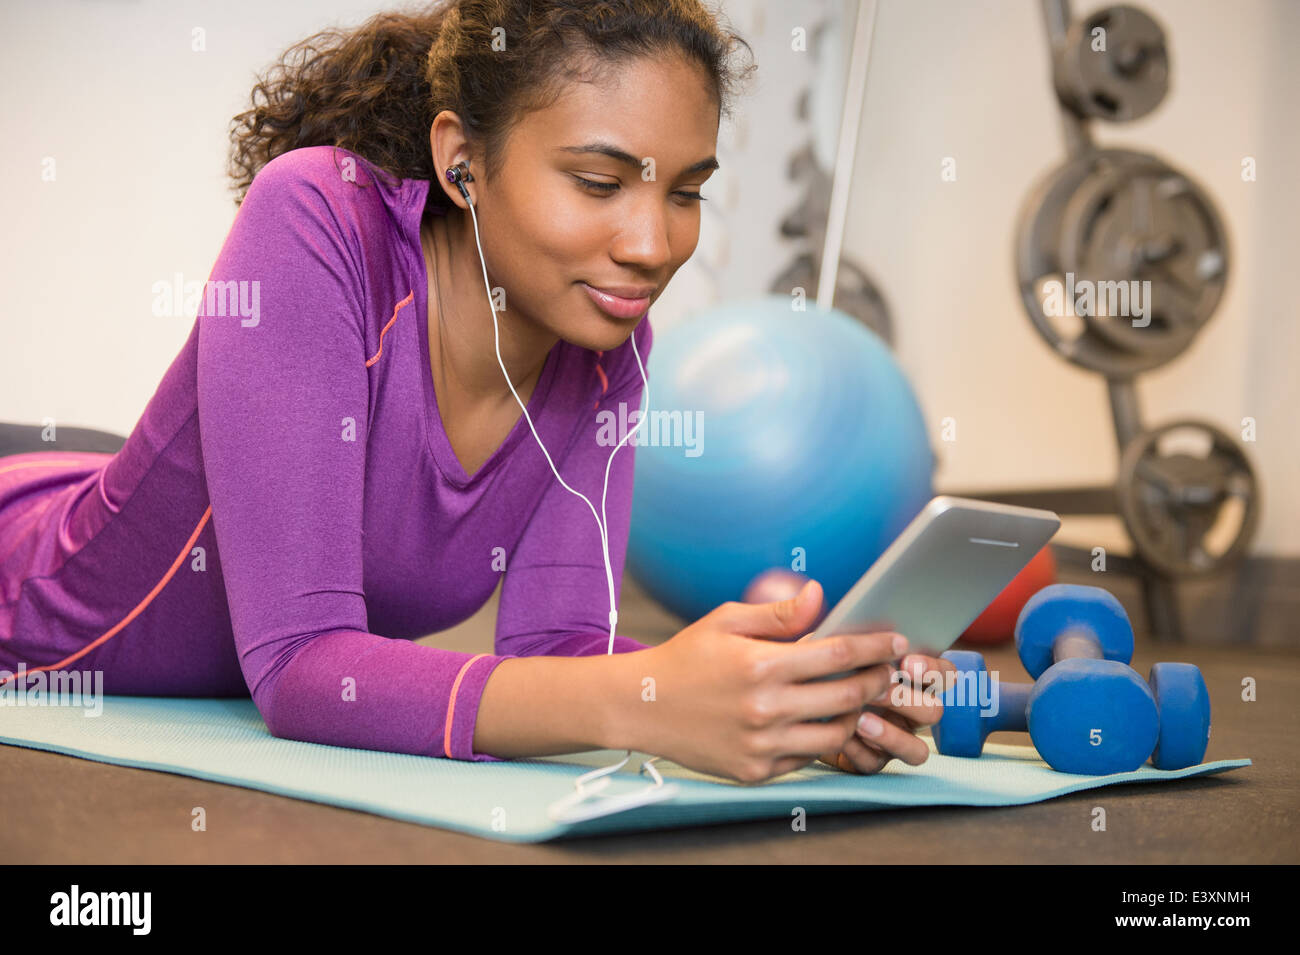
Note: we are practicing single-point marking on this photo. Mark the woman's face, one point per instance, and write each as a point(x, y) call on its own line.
point(548, 235)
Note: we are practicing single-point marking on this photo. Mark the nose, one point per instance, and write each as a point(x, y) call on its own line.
point(643, 239)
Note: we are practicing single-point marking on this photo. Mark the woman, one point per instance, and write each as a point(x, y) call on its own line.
point(332, 461)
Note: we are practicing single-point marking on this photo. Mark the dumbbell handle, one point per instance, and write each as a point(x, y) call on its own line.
point(1076, 643)
point(1013, 701)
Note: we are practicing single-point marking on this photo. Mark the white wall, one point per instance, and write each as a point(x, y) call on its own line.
point(136, 123)
point(740, 251)
point(971, 81)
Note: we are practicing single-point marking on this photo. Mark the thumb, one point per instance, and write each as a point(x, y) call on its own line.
point(779, 619)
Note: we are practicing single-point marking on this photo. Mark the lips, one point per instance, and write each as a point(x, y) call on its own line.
point(622, 301)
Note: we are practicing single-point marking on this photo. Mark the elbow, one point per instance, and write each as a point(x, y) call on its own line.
point(264, 700)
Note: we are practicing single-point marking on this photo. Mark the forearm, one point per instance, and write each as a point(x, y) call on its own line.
point(357, 689)
point(546, 706)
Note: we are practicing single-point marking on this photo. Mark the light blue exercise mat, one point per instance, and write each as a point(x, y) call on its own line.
point(227, 742)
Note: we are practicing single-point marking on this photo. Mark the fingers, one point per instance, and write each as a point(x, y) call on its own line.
point(879, 731)
point(809, 659)
point(780, 619)
point(862, 752)
point(919, 706)
point(866, 753)
point(814, 701)
point(918, 678)
point(811, 740)
point(922, 670)
point(789, 764)
point(803, 744)
point(857, 757)
point(892, 716)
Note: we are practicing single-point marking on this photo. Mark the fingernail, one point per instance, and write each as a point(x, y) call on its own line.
point(900, 643)
point(871, 725)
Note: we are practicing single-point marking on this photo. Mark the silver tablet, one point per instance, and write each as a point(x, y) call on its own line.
point(941, 572)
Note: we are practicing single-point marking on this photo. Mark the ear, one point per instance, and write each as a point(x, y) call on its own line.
point(448, 146)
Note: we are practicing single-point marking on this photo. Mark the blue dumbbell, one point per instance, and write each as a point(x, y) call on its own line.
point(1070, 637)
point(1088, 712)
point(974, 707)
point(1059, 714)
point(1184, 704)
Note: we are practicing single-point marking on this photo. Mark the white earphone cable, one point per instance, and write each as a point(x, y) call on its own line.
point(600, 518)
point(570, 807)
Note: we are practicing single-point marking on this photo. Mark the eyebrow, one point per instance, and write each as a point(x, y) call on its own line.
point(613, 152)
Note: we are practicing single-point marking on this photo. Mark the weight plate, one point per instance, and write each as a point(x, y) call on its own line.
point(1126, 79)
point(1171, 502)
point(1136, 221)
point(1085, 209)
point(1037, 265)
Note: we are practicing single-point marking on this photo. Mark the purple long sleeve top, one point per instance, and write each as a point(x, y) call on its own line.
point(288, 512)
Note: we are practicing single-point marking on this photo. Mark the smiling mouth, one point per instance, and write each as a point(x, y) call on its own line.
point(622, 302)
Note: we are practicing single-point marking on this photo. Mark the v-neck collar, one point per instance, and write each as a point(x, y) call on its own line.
point(436, 433)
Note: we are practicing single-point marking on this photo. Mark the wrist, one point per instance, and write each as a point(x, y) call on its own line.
point(627, 722)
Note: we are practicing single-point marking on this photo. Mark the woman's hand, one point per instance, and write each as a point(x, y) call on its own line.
point(728, 694)
point(887, 729)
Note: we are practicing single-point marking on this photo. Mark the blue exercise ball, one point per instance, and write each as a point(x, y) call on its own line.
point(772, 438)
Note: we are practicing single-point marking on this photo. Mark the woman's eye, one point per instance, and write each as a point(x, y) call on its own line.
point(604, 188)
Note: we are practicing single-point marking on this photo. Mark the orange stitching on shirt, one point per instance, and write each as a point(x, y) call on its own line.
point(138, 607)
point(38, 464)
point(451, 705)
point(604, 382)
point(410, 296)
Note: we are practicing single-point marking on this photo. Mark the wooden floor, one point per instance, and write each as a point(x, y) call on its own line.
point(59, 809)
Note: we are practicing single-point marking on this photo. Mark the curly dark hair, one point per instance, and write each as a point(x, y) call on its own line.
point(375, 89)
